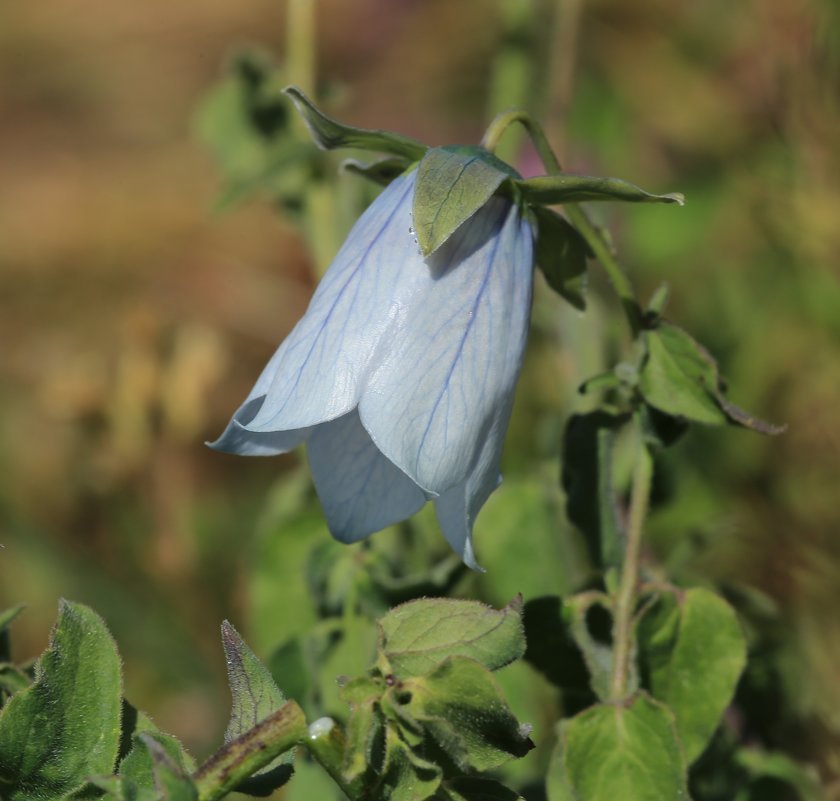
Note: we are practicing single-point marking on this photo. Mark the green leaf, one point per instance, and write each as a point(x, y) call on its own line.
point(170, 781)
point(330, 134)
point(364, 727)
point(12, 679)
point(626, 751)
point(553, 651)
point(254, 697)
point(780, 767)
point(406, 775)
point(692, 652)
point(6, 617)
point(66, 726)
point(138, 767)
point(561, 255)
point(417, 636)
point(681, 378)
point(563, 188)
point(460, 706)
point(452, 185)
point(591, 501)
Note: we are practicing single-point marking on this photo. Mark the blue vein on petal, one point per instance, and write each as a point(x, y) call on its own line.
point(460, 350)
point(266, 426)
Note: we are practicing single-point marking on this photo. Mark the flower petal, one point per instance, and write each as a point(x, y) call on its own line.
point(360, 490)
point(447, 380)
point(318, 371)
point(236, 438)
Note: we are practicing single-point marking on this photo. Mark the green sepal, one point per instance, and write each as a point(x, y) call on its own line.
point(564, 188)
point(561, 254)
point(680, 377)
point(692, 652)
point(330, 134)
point(66, 726)
point(381, 172)
point(627, 750)
point(254, 696)
point(417, 636)
point(453, 183)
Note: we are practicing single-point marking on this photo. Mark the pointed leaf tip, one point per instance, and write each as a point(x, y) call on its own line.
point(330, 134)
point(566, 188)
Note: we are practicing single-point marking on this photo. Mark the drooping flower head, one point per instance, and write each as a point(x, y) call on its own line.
point(400, 376)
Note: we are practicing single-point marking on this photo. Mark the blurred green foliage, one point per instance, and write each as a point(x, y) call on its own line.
point(135, 320)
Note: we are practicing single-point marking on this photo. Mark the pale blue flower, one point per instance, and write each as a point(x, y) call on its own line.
point(400, 376)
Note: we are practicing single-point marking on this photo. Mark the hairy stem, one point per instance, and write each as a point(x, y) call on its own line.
point(625, 600)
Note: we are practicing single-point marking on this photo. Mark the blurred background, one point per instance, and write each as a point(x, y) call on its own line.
point(151, 260)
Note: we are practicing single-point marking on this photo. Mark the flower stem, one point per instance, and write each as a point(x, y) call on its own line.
point(577, 215)
point(625, 600)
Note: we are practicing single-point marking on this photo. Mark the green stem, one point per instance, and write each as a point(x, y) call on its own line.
point(577, 216)
point(300, 44)
point(244, 756)
point(625, 600)
point(326, 743)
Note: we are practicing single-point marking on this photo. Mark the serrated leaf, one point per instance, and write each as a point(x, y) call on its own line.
point(561, 254)
point(330, 134)
point(452, 185)
point(692, 652)
point(681, 378)
point(626, 751)
point(587, 476)
point(417, 636)
point(564, 188)
point(66, 726)
point(460, 706)
point(254, 696)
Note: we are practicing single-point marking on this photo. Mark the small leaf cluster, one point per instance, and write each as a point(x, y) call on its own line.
point(424, 722)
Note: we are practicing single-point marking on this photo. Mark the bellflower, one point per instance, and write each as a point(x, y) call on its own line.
point(400, 376)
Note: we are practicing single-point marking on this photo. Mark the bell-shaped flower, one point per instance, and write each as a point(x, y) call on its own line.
point(400, 376)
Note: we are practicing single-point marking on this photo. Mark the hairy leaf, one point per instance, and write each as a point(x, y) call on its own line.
point(452, 185)
point(66, 726)
point(692, 652)
point(626, 751)
point(417, 636)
